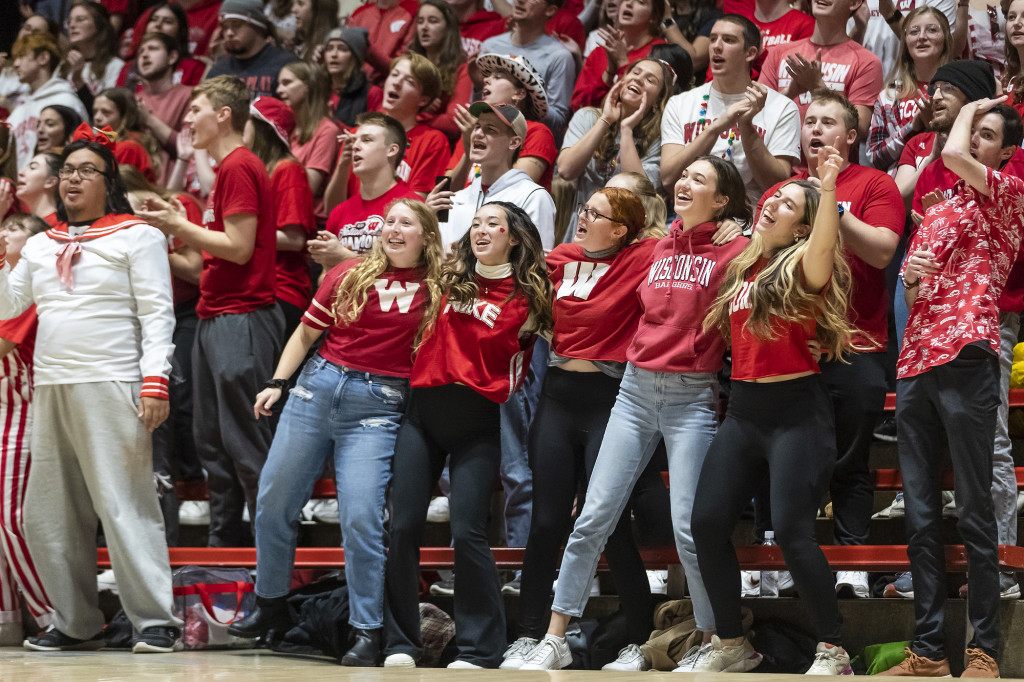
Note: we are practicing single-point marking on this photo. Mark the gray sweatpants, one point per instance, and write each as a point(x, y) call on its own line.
point(1004, 477)
point(92, 459)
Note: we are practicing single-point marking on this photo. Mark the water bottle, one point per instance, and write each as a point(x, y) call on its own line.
point(769, 579)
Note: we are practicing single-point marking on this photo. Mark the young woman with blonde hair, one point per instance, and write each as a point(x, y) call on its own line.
point(348, 403)
point(789, 287)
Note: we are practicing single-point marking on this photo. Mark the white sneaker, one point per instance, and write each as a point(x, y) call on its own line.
point(245, 515)
point(949, 508)
point(894, 510)
point(515, 654)
point(306, 515)
point(695, 655)
point(194, 513)
point(830, 660)
point(852, 583)
point(464, 665)
point(728, 659)
point(750, 583)
point(399, 661)
point(551, 653)
point(327, 512)
point(787, 588)
point(106, 582)
point(658, 581)
point(1020, 503)
point(439, 510)
point(631, 659)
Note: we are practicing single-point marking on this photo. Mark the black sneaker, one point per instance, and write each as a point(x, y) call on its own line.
point(158, 640)
point(52, 639)
point(886, 430)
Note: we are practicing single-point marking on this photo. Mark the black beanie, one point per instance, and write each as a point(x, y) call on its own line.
point(973, 77)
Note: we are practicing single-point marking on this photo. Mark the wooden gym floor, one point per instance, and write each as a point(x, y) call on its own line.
point(253, 666)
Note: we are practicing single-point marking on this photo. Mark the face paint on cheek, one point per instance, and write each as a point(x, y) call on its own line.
point(502, 230)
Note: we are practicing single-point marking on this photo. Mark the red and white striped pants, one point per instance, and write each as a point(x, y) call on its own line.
point(16, 568)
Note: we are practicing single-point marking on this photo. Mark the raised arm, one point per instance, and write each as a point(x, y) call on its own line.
point(818, 258)
point(957, 152)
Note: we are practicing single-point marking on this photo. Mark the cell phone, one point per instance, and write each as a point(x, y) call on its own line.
point(442, 216)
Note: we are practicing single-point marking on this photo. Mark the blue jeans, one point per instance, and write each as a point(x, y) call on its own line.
point(356, 416)
point(682, 409)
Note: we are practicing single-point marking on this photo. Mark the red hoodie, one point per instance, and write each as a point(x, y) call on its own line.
point(686, 273)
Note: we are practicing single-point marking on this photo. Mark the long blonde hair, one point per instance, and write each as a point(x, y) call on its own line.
point(779, 291)
point(648, 131)
point(351, 294)
point(902, 79)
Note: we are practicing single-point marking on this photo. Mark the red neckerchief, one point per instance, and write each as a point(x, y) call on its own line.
point(72, 248)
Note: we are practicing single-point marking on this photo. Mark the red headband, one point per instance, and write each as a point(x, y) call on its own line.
point(106, 137)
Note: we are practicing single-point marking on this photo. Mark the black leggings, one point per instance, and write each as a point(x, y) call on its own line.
point(441, 420)
point(787, 429)
point(564, 441)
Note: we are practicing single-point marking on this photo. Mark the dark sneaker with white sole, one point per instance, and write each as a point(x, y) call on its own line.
point(52, 639)
point(158, 640)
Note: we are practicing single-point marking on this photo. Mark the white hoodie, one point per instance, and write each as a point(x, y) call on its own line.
point(515, 187)
point(24, 118)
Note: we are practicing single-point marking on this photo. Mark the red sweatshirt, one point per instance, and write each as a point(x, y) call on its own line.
point(684, 279)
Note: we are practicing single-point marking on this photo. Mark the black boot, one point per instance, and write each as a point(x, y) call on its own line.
point(365, 651)
point(269, 614)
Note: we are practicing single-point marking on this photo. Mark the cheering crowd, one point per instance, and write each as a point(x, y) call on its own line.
point(444, 244)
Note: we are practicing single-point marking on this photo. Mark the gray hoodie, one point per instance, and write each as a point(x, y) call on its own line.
point(515, 187)
point(25, 116)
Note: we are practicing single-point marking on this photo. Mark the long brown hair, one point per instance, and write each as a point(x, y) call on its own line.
point(324, 18)
point(529, 269)
point(452, 56)
point(312, 108)
point(351, 294)
point(1012, 74)
point(780, 293)
point(649, 129)
point(8, 157)
point(105, 39)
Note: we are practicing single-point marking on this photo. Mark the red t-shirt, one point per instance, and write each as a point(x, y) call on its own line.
point(241, 186)
point(294, 204)
point(319, 153)
point(539, 143)
point(381, 340)
point(785, 353)
point(566, 23)
point(872, 196)
point(184, 290)
point(357, 222)
point(847, 67)
point(426, 157)
point(975, 239)
point(131, 153)
point(596, 306)
point(22, 331)
point(479, 345)
point(590, 86)
point(478, 28)
point(686, 272)
point(791, 26)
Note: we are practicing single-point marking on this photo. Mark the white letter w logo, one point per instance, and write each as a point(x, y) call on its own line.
point(579, 279)
point(395, 292)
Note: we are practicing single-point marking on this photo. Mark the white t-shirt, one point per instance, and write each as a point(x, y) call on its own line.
point(880, 39)
point(778, 122)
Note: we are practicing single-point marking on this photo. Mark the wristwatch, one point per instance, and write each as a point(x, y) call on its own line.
point(669, 22)
point(276, 383)
point(894, 17)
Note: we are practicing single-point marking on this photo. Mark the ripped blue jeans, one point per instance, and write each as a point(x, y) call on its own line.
point(354, 416)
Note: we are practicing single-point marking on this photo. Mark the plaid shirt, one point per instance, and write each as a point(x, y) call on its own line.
point(890, 129)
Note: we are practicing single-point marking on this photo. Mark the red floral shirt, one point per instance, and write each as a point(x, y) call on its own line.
point(975, 240)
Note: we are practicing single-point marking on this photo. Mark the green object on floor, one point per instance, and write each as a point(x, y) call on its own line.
point(880, 657)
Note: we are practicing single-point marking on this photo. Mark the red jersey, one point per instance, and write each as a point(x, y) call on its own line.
point(539, 143)
point(791, 26)
point(479, 345)
point(357, 222)
point(590, 86)
point(22, 331)
point(241, 186)
point(686, 272)
point(785, 353)
point(596, 305)
point(975, 239)
point(478, 28)
point(872, 196)
point(391, 33)
point(381, 340)
point(294, 202)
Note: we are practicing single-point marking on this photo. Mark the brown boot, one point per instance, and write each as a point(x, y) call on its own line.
point(980, 664)
point(919, 666)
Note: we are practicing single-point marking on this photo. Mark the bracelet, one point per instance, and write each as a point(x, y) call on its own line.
point(605, 121)
point(894, 17)
point(276, 383)
point(908, 285)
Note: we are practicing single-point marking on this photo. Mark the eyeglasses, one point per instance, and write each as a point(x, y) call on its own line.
point(86, 172)
point(591, 215)
point(947, 89)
